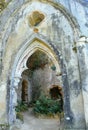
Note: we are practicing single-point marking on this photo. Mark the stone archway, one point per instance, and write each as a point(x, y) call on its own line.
point(37, 79)
point(8, 31)
point(20, 65)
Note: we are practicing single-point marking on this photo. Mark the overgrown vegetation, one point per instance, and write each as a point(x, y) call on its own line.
point(4, 126)
point(21, 107)
point(19, 116)
point(45, 105)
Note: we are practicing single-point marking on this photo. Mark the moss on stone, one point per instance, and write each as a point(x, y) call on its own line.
point(75, 49)
point(3, 5)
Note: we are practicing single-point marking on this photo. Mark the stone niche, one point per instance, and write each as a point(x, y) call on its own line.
point(56, 92)
point(36, 18)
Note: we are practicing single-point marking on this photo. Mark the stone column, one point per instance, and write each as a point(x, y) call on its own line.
point(13, 99)
point(82, 50)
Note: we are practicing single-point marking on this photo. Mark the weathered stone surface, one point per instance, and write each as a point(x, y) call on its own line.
point(83, 61)
point(56, 36)
point(3, 117)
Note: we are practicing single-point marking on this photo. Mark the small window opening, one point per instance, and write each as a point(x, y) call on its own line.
point(56, 94)
point(36, 18)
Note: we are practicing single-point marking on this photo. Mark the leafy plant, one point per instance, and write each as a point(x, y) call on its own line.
point(21, 107)
point(45, 105)
point(19, 115)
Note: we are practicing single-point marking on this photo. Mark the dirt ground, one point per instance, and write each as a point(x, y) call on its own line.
point(33, 123)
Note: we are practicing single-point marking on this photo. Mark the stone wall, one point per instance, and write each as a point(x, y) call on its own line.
point(58, 28)
point(45, 78)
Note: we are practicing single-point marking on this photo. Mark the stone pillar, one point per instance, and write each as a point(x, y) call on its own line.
point(3, 115)
point(82, 50)
point(13, 99)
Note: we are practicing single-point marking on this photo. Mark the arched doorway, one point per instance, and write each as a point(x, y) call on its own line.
point(21, 65)
point(41, 74)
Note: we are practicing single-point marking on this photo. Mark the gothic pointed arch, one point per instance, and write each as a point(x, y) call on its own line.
point(37, 42)
point(7, 27)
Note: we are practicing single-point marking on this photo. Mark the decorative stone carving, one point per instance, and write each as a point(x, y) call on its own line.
point(36, 45)
point(16, 81)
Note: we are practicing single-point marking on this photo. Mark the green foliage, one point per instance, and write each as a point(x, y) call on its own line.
point(45, 105)
point(19, 115)
point(53, 68)
point(4, 126)
point(21, 107)
point(31, 104)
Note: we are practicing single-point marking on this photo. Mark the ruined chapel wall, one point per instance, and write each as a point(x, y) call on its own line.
point(18, 30)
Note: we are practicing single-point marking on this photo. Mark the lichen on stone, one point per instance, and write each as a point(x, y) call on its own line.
point(3, 5)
